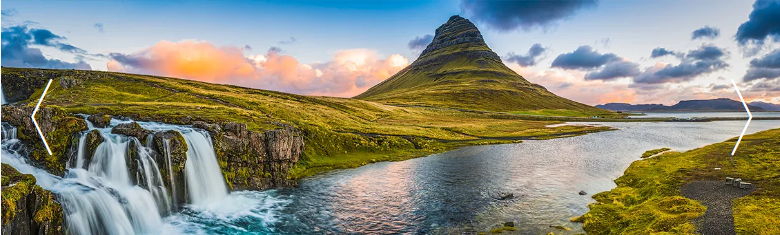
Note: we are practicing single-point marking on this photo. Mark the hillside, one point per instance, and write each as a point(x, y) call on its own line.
point(458, 70)
point(766, 106)
point(648, 197)
point(338, 132)
point(713, 105)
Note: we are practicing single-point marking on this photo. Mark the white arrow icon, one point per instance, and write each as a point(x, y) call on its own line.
point(750, 117)
point(36, 123)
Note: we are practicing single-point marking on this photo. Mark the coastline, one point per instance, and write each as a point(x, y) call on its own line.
point(648, 196)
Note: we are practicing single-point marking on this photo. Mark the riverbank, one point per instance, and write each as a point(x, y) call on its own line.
point(338, 132)
point(648, 196)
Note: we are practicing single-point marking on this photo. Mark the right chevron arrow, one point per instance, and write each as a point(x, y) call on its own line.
point(750, 117)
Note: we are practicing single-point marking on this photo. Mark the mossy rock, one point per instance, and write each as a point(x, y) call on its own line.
point(99, 120)
point(28, 208)
point(94, 139)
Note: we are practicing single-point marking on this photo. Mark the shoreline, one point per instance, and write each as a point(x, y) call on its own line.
point(648, 195)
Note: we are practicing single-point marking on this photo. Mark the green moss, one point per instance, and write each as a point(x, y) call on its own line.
point(497, 230)
point(650, 153)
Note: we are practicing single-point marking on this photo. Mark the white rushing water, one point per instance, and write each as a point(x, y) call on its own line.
point(100, 197)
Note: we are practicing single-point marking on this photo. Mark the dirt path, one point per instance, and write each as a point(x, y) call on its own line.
point(717, 196)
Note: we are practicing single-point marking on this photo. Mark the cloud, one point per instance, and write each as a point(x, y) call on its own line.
point(767, 67)
point(349, 73)
point(703, 60)
point(660, 52)
point(290, 41)
point(770, 60)
point(585, 57)
point(526, 15)
point(759, 73)
point(10, 12)
point(706, 52)
point(16, 42)
point(419, 43)
point(614, 70)
point(99, 27)
point(247, 47)
point(275, 49)
point(530, 58)
point(762, 22)
point(705, 32)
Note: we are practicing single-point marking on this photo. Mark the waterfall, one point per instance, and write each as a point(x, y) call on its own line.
point(2, 95)
point(205, 182)
point(105, 197)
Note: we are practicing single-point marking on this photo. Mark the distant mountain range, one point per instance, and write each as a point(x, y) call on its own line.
point(766, 106)
point(713, 105)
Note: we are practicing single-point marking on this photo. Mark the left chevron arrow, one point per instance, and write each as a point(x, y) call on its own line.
point(36, 122)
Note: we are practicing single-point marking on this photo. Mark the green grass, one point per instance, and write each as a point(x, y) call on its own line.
point(469, 75)
point(650, 153)
point(647, 198)
point(338, 132)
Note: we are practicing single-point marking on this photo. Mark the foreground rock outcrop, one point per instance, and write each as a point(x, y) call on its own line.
point(28, 208)
point(253, 160)
point(62, 131)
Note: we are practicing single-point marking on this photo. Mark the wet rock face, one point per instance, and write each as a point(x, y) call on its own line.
point(99, 120)
point(94, 138)
point(131, 129)
point(27, 208)
point(253, 160)
point(61, 130)
point(172, 157)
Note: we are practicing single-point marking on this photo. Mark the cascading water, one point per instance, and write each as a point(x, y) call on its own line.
point(102, 197)
point(204, 178)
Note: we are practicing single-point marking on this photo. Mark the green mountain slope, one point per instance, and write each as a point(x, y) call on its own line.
point(338, 132)
point(458, 70)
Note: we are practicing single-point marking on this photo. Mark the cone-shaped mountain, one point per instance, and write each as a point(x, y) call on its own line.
point(458, 70)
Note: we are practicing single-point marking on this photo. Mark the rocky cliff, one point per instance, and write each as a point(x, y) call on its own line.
point(62, 131)
point(27, 208)
point(253, 160)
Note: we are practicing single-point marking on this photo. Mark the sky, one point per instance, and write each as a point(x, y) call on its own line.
point(590, 51)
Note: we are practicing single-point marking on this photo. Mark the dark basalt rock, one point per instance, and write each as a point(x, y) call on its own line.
point(256, 160)
point(94, 138)
point(132, 129)
point(99, 120)
point(61, 130)
point(172, 144)
point(28, 208)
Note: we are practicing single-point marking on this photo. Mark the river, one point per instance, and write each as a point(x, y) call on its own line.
point(451, 192)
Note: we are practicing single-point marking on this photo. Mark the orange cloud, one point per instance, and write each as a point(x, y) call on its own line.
point(349, 73)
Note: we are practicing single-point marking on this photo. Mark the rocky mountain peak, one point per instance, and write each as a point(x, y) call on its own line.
point(456, 31)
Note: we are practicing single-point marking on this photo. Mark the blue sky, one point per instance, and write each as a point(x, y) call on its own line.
point(378, 34)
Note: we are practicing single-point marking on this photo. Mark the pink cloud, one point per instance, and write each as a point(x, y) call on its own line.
point(350, 72)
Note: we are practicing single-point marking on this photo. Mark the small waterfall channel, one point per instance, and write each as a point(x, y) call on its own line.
point(101, 195)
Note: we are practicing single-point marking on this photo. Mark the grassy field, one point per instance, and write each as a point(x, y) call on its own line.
point(647, 198)
point(339, 132)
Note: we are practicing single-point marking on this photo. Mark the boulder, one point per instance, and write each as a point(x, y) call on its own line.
point(132, 129)
point(28, 208)
point(94, 138)
point(66, 82)
point(59, 128)
point(582, 192)
point(99, 120)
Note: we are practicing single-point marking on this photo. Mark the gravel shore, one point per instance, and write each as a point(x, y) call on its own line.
point(717, 196)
